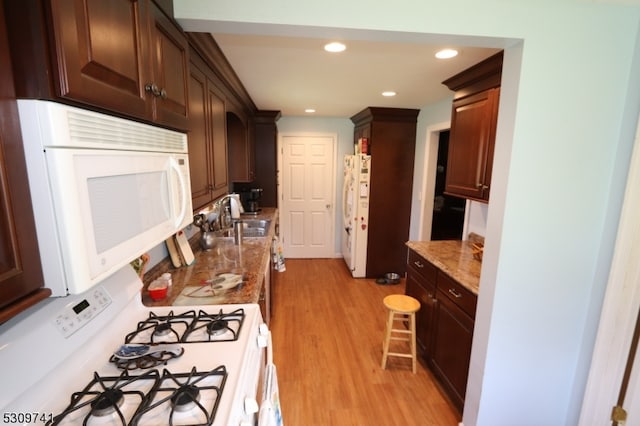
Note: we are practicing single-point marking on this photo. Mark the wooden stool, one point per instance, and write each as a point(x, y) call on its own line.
point(400, 308)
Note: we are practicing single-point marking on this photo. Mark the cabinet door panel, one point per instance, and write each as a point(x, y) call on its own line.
point(170, 56)
point(199, 154)
point(470, 135)
point(101, 53)
point(219, 135)
point(424, 317)
point(207, 136)
point(452, 347)
point(21, 280)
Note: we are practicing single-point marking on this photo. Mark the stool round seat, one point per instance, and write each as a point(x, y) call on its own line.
point(401, 303)
point(402, 309)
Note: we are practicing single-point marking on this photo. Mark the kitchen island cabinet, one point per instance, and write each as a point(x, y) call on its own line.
point(67, 50)
point(474, 120)
point(444, 277)
point(252, 259)
point(21, 279)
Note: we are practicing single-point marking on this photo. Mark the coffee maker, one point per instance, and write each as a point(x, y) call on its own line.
point(250, 199)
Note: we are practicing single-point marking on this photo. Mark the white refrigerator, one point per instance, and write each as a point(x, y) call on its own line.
point(355, 206)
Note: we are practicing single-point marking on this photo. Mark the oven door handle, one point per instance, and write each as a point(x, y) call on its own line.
point(264, 341)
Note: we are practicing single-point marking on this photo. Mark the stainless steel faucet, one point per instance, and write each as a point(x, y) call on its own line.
point(225, 219)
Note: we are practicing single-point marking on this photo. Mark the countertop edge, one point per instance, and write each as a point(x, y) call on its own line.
point(454, 258)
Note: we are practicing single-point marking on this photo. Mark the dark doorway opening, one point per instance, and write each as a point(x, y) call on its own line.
point(448, 211)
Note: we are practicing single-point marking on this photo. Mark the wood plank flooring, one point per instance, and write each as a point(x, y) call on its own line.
point(327, 334)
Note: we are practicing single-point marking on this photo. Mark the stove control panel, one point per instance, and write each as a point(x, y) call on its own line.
point(78, 313)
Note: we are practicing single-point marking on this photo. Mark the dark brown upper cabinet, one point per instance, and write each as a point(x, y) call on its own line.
point(21, 279)
point(123, 56)
point(241, 150)
point(474, 118)
point(207, 139)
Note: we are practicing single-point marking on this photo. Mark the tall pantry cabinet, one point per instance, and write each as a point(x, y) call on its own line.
point(391, 133)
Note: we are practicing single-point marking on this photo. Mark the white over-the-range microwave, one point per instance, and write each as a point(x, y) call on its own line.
point(104, 190)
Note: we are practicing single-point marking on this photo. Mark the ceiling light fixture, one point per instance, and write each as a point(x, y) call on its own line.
point(446, 53)
point(335, 47)
point(388, 93)
point(309, 110)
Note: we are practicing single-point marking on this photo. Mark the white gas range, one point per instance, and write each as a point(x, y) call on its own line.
point(74, 361)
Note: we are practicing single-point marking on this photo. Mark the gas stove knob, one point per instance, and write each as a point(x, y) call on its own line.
point(263, 341)
point(250, 405)
point(263, 329)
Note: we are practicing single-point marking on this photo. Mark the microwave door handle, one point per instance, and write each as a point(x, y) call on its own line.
point(183, 189)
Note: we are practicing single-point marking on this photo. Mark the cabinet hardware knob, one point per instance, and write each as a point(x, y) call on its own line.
point(455, 293)
point(153, 89)
point(163, 94)
point(485, 187)
point(418, 264)
point(479, 185)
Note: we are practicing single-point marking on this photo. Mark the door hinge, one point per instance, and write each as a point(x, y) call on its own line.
point(618, 416)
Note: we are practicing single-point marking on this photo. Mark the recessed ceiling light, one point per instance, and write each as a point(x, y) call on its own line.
point(335, 47)
point(388, 93)
point(310, 110)
point(446, 53)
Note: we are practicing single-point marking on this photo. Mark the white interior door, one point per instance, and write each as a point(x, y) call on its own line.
point(307, 218)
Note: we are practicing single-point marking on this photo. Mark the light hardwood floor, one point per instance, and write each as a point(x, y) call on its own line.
point(327, 334)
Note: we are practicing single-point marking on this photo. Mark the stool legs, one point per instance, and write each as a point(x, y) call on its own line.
point(390, 335)
point(387, 339)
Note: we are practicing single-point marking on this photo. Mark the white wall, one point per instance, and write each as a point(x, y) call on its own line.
point(569, 102)
point(343, 127)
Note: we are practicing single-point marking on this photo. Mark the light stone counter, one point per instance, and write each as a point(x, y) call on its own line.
point(453, 257)
point(247, 259)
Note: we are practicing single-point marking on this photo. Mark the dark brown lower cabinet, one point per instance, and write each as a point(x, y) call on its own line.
point(451, 351)
point(421, 285)
point(444, 324)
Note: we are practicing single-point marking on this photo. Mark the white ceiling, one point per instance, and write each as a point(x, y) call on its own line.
point(290, 74)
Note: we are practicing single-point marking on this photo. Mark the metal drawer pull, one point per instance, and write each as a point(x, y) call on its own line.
point(455, 293)
point(418, 264)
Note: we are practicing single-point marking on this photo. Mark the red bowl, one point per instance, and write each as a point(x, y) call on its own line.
point(158, 290)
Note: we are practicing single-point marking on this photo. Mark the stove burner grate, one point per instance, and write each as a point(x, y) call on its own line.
point(220, 327)
point(164, 328)
point(107, 402)
point(104, 396)
point(179, 393)
point(185, 398)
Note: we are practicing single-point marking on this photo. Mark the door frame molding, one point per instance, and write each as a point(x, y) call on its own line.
point(430, 164)
point(334, 138)
point(619, 313)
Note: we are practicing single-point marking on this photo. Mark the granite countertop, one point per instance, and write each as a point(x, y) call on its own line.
point(453, 257)
point(190, 285)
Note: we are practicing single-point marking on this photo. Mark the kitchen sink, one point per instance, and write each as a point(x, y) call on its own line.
point(255, 227)
point(252, 228)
